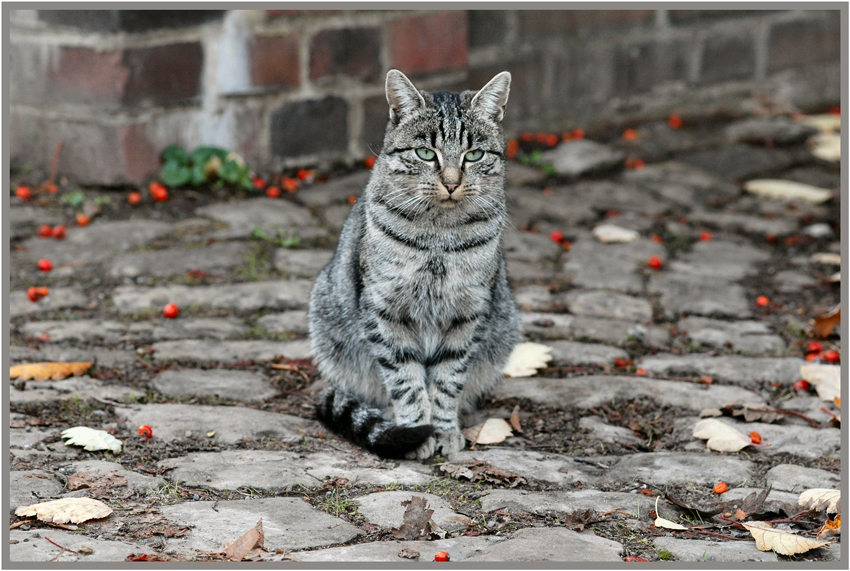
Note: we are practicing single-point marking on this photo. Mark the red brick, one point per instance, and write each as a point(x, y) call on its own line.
point(355, 52)
point(163, 74)
point(376, 114)
point(275, 13)
point(274, 61)
point(84, 75)
point(422, 44)
point(140, 156)
point(546, 23)
point(310, 127)
point(794, 44)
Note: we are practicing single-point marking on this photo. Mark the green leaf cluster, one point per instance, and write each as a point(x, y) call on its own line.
point(204, 165)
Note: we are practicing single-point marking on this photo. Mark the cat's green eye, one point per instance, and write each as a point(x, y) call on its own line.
point(425, 154)
point(473, 156)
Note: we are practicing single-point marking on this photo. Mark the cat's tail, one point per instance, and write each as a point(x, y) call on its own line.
point(366, 426)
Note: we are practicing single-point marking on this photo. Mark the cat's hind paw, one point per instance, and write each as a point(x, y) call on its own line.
point(450, 442)
point(425, 451)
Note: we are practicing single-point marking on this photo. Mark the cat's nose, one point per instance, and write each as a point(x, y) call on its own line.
point(451, 186)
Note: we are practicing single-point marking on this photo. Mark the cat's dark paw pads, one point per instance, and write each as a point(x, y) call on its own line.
point(450, 442)
point(425, 451)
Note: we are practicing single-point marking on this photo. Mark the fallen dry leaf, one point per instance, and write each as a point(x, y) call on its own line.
point(480, 470)
point(611, 233)
point(493, 431)
point(721, 437)
point(825, 378)
point(526, 358)
point(788, 190)
point(826, 322)
point(237, 550)
point(408, 554)
point(514, 420)
point(830, 528)
point(665, 523)
point(95, 481)
point(826, 147)
point(48, 371)
point(817, 498)
point(824, 122)
point(827, 258)
point(753, 502)
point(91, 440)
point(750, 412)
point(416, 519)
point(782, 542)
point(578, 519)
point(74, 510)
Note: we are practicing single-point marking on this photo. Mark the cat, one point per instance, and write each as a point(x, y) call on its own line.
point(413, 320)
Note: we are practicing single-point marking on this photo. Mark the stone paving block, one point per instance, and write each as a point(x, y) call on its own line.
point(609, 304)
point(517, 174)
point(30, 546)
point(735, 368)
point(777, 130)
point(23, 220)
point(460, 548)
point(216, 258)
point(384, 509)
point(250, 296)
point(594, 390)
point(26, 437)
point(81, 387)
point(559, 325)
point(753, 224)
point(520, 270)
point(529, 247)
point(535, 298)
point(137, 481)
point(336, 190)
point(529, 206)
point(541, 503)
point(775, 500)
point(336, 215)
point(598, 429)
point(231, 424)
point(557, 469)
point(577, 158)
point(798, 479)
point(294, 321)
point(552, 544)
point(702, 550)
point(302, 263)
point(269, 214)
point(750, 337)
point(689, 293)
point(59, 298)
point(737, 162)
point(594, 265)
point(661, 468)
point(288, 523)
point(96, 242)
point(222, 383)
point(105, 358)
point(230, 351)
point(791, 281)
point(90, 330)
point(279, 469)
point(22, 484)
point(681, 184)
point(799, 441)
point(574, 353)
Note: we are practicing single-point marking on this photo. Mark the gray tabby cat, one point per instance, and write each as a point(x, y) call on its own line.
point(412, 321)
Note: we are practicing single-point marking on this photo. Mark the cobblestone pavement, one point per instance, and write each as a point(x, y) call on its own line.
point(638, 353)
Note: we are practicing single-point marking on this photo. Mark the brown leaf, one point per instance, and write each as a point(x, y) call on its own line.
point(782, 542)
point(740, 514)
point(91, 209)
point(408, 554)
point(416, 518)
point(145, 557)
point(514, 420)
point(74, 510)
point(753, 503)
point(96, 481)
point(642, 426)
point(826, 322)
point(578, 519)
point(48, 370)
point(252, 538)
point(830, 528)
point(750, 412)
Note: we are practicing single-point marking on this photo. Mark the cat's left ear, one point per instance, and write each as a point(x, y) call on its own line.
point(493, 97)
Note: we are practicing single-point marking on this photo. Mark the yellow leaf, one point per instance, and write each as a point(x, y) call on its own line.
point(526, 358)
point(830, 528)
point(493, 431)
point(782, 542)
point(91, 440)
point(788, 190)
point(827, 147)
point(49, 370)
point(825, 378)
point(74, 510)
point(816, 498)
point(665, 523)
point(721, 437)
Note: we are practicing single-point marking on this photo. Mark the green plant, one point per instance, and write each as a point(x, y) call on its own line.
point(665, 555)
point(205, 164)
point(284, 239)
point(335, 504)
point(75, 198)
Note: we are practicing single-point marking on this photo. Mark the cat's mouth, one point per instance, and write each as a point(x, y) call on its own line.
point(449, 202)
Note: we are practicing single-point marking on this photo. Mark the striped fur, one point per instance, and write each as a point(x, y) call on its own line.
point(413, 320)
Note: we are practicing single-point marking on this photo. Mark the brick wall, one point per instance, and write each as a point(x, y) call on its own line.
point(299, 87)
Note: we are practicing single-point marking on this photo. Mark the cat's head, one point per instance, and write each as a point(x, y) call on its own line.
point(444, 151)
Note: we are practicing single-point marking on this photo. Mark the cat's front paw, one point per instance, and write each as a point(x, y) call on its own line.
point(450, 442)
point(425, 450)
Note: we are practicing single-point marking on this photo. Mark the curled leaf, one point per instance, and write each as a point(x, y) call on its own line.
point(91, 440)
point(493, 431)
point(827, 147)
point(721, 437)
point(782, 542)
point(816, 498)
point(610, 233)
point(74, 510)
point(48, 371)
point(526, 358)
point(788, 190)
point(237, 550)
point(825, 378)
point(666, 523)
point(826, 322)
point(830, 528)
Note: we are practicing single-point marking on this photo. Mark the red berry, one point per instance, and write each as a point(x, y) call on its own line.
point(655, 263)
point(814, 347)
point(45, 265)
point(755, 437)
point(134, 198)
point(622, 362)
point(441, 556)
point(811, 357)
point(802, 386)
point(551, 140)
point(259, 183)
point(159, 192)
point(170, 310)
point(831, 356)
point(630, 135)
point(59, 232)
point(674, 121)
point(720, 488)
point(32, 293)
point(512, 148)
point(556, 236)
point(657, 239)
point(578, 133)
point(42, 291)
point(52, 188)
point(45, 231)
point(526, 136)
point(303, 174)
point(23, 192)
point(290, 185)
point(146, 431)
point(83, 220)
point(272, 192)
point(762, 301)
point(370, 161)
point(612, 213)
point(706, 236)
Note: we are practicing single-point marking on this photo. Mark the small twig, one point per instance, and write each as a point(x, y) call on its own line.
point(830, 413)
point(288, 367)
point(811, 421)
point(112, 403)
point(597, 464)
point(495, 510)
point(58, 555)
point(735, 523)
point(615, 511)
point(19, 524)
point(312, 476)
point(62, 546)
point(719, 535)
point(792, 519)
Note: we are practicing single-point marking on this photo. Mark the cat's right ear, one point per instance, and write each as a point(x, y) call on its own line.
point(402, 96)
